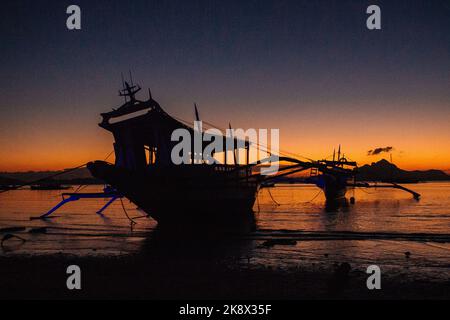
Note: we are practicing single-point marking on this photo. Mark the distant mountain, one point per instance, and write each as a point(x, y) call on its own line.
point(79, 176)
point(383, 170)
point(5, 181)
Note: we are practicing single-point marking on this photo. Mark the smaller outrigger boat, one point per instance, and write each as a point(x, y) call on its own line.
point(335, 176)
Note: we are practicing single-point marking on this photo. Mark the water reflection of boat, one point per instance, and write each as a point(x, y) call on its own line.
point(401, 180)
point(7, 187)
point(49, 187)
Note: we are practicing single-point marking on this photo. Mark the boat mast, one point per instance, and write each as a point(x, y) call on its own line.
point(232, 137)
point(339, 154)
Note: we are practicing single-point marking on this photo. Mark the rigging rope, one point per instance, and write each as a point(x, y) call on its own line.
point(45, 178)
point(109, 154)
point(262, 147)
point(55, 175)
point(82, 186)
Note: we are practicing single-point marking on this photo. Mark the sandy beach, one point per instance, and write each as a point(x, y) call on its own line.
point(138, 277)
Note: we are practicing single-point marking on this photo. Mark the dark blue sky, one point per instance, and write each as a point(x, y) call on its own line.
point(308, 67)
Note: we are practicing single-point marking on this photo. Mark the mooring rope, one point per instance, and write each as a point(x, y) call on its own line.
point(80, 187)
point(362, 189)
point(285, 204)
point(126, 213)
point(320, 191)
point(257, 199)
point(270, 194)
point(10, 236)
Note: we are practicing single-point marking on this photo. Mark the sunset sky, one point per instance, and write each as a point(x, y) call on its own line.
point(310, 68)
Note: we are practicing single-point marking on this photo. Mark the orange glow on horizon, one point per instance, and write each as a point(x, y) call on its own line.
point(420, 141)
point(48, 158)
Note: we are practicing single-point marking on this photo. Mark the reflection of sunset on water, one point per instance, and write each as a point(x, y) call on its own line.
point(384, 223)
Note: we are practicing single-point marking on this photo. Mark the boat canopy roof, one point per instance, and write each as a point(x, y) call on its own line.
point(155, 126)
point(152, 131)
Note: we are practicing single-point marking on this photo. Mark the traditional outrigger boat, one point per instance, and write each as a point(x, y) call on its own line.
point(336, 176)
point(144, 173)
point(194, 192)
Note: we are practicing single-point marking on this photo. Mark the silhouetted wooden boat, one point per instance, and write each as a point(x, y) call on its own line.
point(144, 173)
point(196, 192)
point(334, 176)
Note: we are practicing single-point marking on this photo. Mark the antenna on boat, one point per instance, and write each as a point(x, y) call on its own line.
point(123, 81)
point(334, 154)
point(123, 87)
point(339, 153)
point(131, 78)
point(150, 94)
point(129, 91)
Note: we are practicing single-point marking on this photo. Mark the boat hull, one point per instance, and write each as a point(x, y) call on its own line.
point(333, 186)
point(199, 195)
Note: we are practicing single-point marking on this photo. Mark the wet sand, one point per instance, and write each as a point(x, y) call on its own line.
point(139, 277)
point(205, 266)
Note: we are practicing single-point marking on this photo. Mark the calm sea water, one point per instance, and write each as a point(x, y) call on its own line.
point(378, 229)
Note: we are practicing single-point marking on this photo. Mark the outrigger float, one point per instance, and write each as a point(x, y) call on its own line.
point(108, 193)
point(192, 193)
